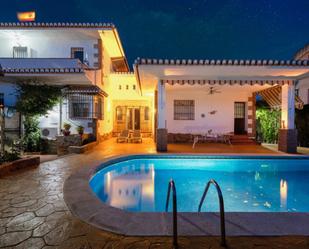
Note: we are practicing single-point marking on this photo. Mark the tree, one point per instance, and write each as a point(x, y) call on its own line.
point(35, 99)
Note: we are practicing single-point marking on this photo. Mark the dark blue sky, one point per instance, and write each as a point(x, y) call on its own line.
point(213, 29)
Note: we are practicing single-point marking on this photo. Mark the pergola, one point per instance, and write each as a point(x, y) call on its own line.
point(154, 75)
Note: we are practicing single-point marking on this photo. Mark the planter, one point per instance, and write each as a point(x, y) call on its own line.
point(66, 133)
point(24, 163)
point(82, 149)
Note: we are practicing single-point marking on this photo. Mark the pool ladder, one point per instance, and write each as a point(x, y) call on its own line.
point(172, 187)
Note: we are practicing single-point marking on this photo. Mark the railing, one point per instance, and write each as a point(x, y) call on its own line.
point(222, 218)
point(171, 186)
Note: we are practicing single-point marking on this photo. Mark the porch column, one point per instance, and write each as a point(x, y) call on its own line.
point(287, 141)
point(251, 116)
point(161, 139)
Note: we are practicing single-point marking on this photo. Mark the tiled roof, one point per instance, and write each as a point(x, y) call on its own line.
point(40, 65)
point(42, 70)
point(142, 61)
point(89, 90)
point(55, 25)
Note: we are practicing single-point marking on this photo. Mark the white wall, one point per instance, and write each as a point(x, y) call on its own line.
point(220, 122)
point(48, 43)
point(303, 86)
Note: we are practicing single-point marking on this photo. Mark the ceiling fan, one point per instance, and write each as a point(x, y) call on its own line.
point(212, 90)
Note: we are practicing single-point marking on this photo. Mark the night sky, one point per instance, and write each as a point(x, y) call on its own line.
point(209, 29)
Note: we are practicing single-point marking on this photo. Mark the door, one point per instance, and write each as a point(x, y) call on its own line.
point(239, 117)
point(133, 119)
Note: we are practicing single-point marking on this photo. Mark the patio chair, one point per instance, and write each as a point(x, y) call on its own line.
point(136, 136)
point(123, 136)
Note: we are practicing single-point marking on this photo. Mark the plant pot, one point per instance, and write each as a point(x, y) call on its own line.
point(66, 133)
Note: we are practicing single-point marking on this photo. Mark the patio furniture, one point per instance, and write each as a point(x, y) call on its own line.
point(123, 136)
point(224, 138)
point(136, 136)
point(211, 137)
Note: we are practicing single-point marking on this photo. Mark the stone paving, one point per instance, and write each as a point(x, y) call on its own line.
point(33, 213)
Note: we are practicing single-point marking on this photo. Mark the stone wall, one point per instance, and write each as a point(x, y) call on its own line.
point(64, 142)
point(27, 162)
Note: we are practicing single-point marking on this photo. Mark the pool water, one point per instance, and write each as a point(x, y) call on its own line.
point(248, 185)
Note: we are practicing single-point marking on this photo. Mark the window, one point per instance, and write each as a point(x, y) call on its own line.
point(20, 52)
point(183, 109)
point(78, 53)
point(239, 110)
point(83, 106)
point(98, 107)
point(119, 113)
point(146, 113)
point(134, 87)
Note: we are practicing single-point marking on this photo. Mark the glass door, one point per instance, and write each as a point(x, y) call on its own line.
point(133, 118)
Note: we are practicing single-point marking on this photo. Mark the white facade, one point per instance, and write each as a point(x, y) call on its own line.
point(212, 111)
point(50, 43)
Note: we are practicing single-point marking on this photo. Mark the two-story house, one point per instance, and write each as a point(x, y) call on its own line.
point(173, 100)
point(88, 62)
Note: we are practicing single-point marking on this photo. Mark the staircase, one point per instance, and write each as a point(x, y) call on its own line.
point(242, 140)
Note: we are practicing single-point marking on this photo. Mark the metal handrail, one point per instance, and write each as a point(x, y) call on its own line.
point(221, 202)
point(171, 186)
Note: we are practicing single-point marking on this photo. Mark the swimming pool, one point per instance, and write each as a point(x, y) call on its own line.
point(248, 184)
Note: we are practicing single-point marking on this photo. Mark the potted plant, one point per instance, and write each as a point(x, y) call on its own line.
point(80, 130)
point(66, 131)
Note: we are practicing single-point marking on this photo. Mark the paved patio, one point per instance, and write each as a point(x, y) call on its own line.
point(33, 213)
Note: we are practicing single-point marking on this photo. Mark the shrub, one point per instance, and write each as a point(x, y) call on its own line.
point(268, 124)
point(31, 139)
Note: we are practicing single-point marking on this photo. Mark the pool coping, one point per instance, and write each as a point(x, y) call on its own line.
point(84, 204)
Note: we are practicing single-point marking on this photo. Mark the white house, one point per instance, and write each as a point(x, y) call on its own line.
point(194, 96)
point(87, 61)
point(162, 98)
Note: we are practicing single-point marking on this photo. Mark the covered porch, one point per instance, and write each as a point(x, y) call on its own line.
point(200, 97)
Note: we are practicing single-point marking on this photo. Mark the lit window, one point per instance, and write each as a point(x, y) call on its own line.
point(146, 113)
point(20, 52)
point(183, 109)
point(119, 113)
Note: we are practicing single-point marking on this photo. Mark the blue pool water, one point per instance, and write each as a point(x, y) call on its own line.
point(248, 185)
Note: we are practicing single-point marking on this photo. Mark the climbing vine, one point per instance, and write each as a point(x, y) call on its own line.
point(35, 99)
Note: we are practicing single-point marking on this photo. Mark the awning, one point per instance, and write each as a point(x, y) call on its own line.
point(89, 90)
point(273, 97)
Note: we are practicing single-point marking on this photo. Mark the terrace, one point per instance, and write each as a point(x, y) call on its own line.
point(33, 213)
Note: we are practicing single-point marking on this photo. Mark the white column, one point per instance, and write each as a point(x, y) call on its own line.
point(161, 105)
point(288, 106)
